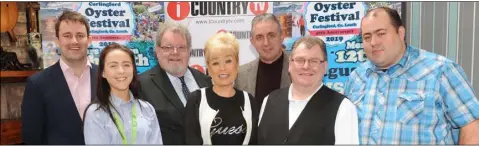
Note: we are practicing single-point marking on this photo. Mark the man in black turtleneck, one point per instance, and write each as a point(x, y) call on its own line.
point(270, 71)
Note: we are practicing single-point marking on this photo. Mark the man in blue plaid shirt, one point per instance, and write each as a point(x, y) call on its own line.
point(406, 95)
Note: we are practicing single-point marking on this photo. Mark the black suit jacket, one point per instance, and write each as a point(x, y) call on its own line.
point(157, 89)
point(49, 113)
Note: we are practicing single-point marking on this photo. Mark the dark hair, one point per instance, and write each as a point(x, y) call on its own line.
point(310, 41)
point(392, 13)
point(74, 17)
point(103, 87)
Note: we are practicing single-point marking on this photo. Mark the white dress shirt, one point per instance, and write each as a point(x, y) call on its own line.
point(346, 124)
point(190, 82)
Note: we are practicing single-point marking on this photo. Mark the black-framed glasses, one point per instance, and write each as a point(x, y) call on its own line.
point(311, 62)
point(171, 48)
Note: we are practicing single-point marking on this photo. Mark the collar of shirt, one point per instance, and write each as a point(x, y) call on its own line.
point(400, 64)
point(66, 68)
point(117, 101)
point(175, 80)
point(290, 94)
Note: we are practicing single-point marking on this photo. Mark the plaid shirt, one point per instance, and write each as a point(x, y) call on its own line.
point(423, 99)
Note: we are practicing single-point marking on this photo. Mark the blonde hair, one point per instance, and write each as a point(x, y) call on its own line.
point(221, 42)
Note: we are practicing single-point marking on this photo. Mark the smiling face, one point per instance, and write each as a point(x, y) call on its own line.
point(221, 54)
point(73, 41)
point(173, 54)
point(223, 68)
point(307, 66)
point(383, 43)
point(118, 70)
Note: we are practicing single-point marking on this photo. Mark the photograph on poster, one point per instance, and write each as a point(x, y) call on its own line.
point(337, 23)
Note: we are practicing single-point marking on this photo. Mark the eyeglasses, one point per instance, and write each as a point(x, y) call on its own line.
point(312, 62)
point(172, 48)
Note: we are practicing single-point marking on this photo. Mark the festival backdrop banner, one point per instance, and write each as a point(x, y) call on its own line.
point(135, 24)
point(290, 16)
point(338, 25)
point(204, 19)
point(132, 24)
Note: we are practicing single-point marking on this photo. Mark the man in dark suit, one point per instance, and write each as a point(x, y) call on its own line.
point(168, 85)
point(55, 98)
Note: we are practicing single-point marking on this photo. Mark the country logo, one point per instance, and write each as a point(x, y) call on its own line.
point(178, 10)
point(199, 68)
point(181, 10)
point(221, 30)
point(258, 8)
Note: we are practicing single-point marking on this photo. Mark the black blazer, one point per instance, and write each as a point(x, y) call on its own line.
point(157, 89)
point(49, 113)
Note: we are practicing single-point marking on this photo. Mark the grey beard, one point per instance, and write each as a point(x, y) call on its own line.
point(175, 69)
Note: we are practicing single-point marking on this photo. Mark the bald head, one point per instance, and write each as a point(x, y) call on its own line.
point(383, 37)
point(391, 14)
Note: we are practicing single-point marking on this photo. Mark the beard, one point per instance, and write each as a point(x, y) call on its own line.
point(174, 69)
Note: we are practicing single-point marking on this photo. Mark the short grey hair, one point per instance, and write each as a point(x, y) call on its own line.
point(265, 17)
point(174, 27)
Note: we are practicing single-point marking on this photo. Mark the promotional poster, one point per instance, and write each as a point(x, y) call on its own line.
point(132, 24)
point(204, 19)
point(135, 24)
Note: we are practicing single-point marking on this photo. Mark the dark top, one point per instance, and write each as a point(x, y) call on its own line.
point(229, 117)
point(49, 113)
point(268, 78)
point(229, 126)
point(157, 89)
point(314, 126)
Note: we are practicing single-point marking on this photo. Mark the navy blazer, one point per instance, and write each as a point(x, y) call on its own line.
point(49, 113)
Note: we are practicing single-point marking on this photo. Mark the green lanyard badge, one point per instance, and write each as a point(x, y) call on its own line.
point(133, 125)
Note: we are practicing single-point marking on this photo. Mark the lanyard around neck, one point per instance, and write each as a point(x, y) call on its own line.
point(119, 125)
